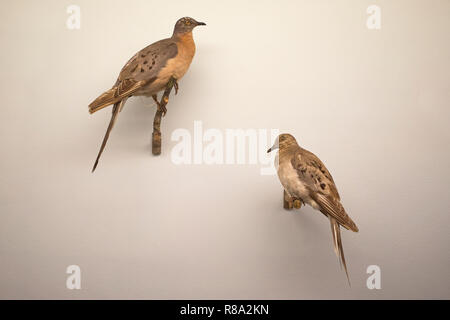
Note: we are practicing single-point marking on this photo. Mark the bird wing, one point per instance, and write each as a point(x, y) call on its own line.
point(322, 189)
point(141, 70)
point(122, 90)
point(147, 63)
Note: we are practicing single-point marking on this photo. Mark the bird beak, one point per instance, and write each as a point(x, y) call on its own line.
point(274, 147)
point(201, 24)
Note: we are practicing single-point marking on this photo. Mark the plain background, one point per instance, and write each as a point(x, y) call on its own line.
point(372, 104)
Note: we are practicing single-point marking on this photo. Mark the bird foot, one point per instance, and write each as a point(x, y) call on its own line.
point(290, 203)
point(175, 85)
point(297, 204)
point(160, 107)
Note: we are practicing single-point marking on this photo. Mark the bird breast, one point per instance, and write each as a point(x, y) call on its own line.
point(291, 181)
point(178, 66)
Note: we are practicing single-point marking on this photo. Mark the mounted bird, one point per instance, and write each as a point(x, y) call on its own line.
point(305, 179)
point(155, 68)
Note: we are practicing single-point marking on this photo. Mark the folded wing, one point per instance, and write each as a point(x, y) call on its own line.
point(322, 189)
point(141, 70)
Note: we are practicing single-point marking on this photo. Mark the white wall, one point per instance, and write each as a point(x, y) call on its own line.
point(372, 104)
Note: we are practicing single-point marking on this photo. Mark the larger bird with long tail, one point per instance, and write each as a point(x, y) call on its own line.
point(149, 71)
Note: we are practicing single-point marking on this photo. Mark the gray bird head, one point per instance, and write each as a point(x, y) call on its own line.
point(283, 141)
point(185, 25)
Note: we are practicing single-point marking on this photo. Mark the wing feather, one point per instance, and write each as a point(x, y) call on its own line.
point(140, 71)
point(333, 208)
point(123, 90)
point(322, 189)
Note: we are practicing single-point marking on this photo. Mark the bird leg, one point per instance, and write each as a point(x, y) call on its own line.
point(297, 203)
point(155, 98)
point(290, 202)
point(175, 85)
point(160, 112)
point(287, 201)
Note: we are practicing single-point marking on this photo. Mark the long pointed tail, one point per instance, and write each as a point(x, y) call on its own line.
point(116, 109)
point(337, 242)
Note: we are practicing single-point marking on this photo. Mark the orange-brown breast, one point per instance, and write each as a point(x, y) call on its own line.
point(178, 65)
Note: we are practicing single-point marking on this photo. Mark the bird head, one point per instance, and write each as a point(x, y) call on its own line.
point(185, 25)
point(282, 142)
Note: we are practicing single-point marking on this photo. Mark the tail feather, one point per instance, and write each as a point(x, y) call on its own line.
point(337, 242)
point(116, 109)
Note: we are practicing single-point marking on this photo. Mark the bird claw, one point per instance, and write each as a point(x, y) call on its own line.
point(160, 107)
point(164, 110)
point(297, 204)
point(291, 202)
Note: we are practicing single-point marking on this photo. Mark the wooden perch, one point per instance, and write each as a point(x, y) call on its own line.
point(160, 112)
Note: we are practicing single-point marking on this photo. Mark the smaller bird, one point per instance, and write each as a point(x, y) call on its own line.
point(306, 178)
